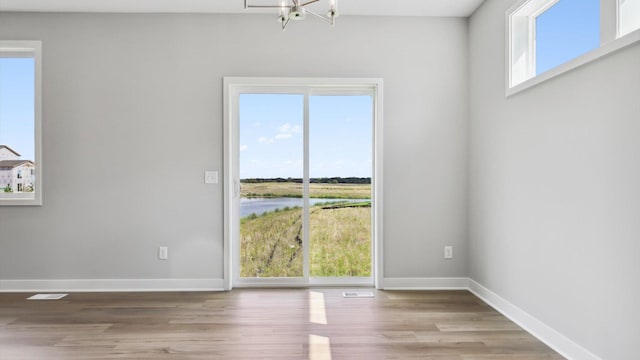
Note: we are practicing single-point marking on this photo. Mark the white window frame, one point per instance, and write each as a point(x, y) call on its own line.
point(619, 25)
point(29, 49)
point(520, 20)
point(233, 87)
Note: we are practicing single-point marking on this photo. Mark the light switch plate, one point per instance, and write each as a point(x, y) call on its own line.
point(210, 177)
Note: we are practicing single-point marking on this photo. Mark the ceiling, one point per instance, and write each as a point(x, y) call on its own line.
point(459, 8)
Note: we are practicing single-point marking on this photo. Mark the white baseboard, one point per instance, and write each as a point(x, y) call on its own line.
point(555, 340)
point(111, 285)
point(425, 283)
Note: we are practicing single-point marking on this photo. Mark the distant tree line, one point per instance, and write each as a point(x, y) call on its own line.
point(323, 180)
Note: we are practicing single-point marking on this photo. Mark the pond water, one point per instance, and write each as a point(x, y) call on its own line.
point(260, 206)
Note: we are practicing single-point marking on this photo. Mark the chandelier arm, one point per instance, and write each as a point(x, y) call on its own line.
point(330, 21)
point(309, 2)
point(285, 23)
point(269, 6)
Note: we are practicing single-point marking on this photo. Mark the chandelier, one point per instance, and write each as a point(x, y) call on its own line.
point(295, 10)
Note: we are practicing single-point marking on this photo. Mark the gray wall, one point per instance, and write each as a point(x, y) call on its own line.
point(133, 116)
point(555, 195)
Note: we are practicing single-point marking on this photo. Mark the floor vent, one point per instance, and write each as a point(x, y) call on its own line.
point(357, 294)
point(47, 297)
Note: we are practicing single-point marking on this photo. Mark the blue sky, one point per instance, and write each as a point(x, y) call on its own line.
point(271, 136)
point(565, 31)
point(17, 105)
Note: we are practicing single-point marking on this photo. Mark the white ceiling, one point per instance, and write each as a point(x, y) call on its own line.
point(462, 8)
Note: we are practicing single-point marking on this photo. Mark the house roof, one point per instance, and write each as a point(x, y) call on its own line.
point(8, 148)
point(14, 163)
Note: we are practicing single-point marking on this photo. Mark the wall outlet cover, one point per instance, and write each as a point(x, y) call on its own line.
point(448, 252)
point(163, 253)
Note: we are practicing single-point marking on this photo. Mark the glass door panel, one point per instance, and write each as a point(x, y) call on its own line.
point(271, 189)
point(340, 171)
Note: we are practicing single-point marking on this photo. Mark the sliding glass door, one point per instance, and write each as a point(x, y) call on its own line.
point(302, 175)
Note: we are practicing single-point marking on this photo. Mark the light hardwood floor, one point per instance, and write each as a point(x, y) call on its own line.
point(262, 324)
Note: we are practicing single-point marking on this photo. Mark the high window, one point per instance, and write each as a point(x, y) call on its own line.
point(565, 31)
point(549, 37)
point(629, 16)
point(20, 137)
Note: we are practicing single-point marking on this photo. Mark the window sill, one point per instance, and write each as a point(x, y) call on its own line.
point(593, 55)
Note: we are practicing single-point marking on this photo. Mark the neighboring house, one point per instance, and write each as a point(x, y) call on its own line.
point(15, 173)
point(7, 153)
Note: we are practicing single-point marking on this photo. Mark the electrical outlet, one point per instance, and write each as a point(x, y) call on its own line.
point(163, 253)
point(448, 252)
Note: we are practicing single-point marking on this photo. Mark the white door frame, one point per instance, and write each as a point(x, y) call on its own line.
point(233, 87)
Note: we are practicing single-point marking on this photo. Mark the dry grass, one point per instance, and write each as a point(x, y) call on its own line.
point(322, 191)
point(271, 244)
point(340, 243)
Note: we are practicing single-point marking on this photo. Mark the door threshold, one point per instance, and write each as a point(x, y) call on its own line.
point(363, 282)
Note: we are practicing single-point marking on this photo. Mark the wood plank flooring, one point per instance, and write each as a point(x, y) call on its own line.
point(262, 324)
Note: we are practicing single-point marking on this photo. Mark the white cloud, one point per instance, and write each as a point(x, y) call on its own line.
point(243, 147)
point(284, 128)
point(285, 131)
point(283, 136)
point(288, 129)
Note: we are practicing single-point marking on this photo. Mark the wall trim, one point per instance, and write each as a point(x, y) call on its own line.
point(543, 332)
point(111, 285)
point(452, 283)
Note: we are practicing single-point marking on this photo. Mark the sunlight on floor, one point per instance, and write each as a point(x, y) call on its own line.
point(317, 311)
point(319, 348)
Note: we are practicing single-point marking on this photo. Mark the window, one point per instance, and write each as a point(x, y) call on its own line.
point(565, 31)
point(20, 124)
point(549, 37)
point(629, 15)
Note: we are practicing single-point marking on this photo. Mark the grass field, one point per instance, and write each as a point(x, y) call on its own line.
point(322, 191)
point(271, 244)
point(340, 242)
